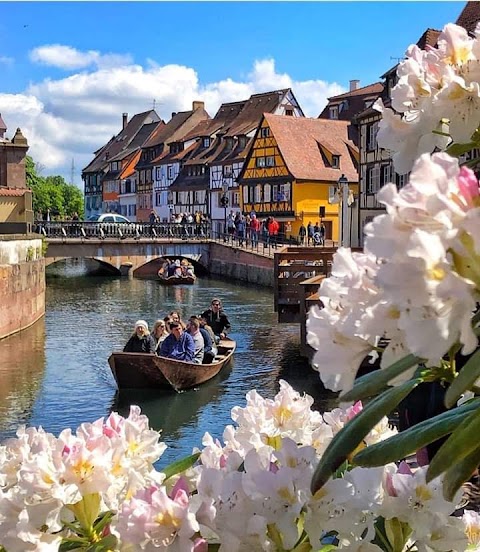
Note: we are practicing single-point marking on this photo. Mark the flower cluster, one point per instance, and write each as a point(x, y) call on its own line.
point(416, 283)
point(436, 99)
point(97, 489)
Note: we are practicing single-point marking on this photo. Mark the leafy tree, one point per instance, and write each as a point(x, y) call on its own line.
point(52, 193)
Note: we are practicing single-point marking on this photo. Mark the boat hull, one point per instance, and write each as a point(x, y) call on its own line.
point(177, 280)
point(149, 371)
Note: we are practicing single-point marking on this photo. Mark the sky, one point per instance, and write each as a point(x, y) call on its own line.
point(68, 70)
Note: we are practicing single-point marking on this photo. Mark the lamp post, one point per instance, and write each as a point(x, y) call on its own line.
point(224, 202)
point(344, 190)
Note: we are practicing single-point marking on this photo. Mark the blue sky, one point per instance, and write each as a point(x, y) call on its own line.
point(69, 69)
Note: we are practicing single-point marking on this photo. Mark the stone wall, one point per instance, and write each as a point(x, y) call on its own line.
point(238, 264)
point(22, 284)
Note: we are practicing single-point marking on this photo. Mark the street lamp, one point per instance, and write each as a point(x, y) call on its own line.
point(224, 203)
point(343, 190)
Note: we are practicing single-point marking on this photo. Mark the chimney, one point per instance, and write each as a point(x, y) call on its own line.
point(124, 120)
point(198, 105)
point(173, 114)
point(354, 85)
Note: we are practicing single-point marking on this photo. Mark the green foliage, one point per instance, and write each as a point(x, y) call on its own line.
point(180, 465)
point(414, 438)
point(53, 193)
point(30, 253)
point(351, 436)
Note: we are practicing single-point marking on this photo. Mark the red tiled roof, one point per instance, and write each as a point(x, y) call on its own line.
point(429, 38)
point(3, 126)
point(298, 140)
point(374, 88)
point(12, 192)
point(469, 16)
point(354, 100)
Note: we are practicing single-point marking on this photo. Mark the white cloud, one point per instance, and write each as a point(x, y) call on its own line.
point(66, 57)
point(69, 118)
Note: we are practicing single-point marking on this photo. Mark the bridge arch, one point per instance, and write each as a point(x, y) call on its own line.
point(131, 256)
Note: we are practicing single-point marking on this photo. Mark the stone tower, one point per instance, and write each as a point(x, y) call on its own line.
point(12, 159)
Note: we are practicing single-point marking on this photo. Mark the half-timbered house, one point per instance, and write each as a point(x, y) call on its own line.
point(189, 194)
point(292, 170)
point(93, 174)
point(180, 124)
point(114, 198)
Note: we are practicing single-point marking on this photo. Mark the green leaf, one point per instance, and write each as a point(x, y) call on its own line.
point(460, 472)
point(460, 444)
point(102, 522)
point(464, 380)
point(455, 150)
point(180, 465)
point(408, 441)
point(107, 544)
point(372, 383)
point(350, 436)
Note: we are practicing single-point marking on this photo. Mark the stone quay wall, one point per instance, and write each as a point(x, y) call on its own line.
point(239, 264)
point(22, 283)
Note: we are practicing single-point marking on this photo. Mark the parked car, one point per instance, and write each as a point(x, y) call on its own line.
point(112, 224)
point(108, 217)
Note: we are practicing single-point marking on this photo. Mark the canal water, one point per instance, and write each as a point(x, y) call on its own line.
point(55, 374)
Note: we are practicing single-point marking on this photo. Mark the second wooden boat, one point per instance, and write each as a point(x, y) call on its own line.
point(149, 371)
point(176, 280)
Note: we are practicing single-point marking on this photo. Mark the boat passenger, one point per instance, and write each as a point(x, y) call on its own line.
point(193, 329)
point(210, 349)
point(141, 341)
point(159, 333)
point(178, 345)
point(217, 319)
point(176, 317)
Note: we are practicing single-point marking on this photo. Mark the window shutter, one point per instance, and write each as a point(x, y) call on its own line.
point(332, 195)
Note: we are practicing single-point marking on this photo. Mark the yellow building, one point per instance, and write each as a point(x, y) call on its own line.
point(292, 173)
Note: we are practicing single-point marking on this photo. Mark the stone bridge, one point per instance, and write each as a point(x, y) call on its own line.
point(140, 257)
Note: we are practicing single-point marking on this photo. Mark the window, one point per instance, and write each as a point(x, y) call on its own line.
point(245, 194)
point(270, 161)
point(260, 162)
point(386, 176)
point(335, 161)
point(158, 199)
point(227, 171)
point(158, 173)
point(373, 179)
point(258, 193)
point(206, 142)
point(334, 112)
point(372, 136)
point(264, 132)
point(401, 180)
point(283, 192)
point(236, 199)
point(170, 172)
point(229, 143)
point(242, 141)
point(266, 193)
point(289, 112)
point(343, 106)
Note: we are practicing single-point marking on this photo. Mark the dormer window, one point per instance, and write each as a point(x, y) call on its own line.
point(368, 103)
point(335, 161)
point(206, 142)
point(229, 143)
point(334, 112)
point(242, 141)
point(289, 112)
point(343, 106)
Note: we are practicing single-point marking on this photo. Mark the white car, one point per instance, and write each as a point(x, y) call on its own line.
point(108, 217)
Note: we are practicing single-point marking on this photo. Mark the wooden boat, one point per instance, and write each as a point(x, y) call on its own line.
point(176, 280)
point(144, 370)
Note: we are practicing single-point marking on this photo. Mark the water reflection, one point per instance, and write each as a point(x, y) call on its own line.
point(22, 364)
point(171, 412)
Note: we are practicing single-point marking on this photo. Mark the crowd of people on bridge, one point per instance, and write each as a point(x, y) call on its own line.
point(194, 341)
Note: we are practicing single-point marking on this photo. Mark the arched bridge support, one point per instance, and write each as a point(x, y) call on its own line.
point(129, 256)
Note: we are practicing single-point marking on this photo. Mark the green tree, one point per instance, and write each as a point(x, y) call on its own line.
point(53, 193)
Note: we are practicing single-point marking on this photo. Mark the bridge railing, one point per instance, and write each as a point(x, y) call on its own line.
point(115, 230)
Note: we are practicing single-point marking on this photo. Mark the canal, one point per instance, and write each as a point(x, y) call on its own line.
point(55, 374)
